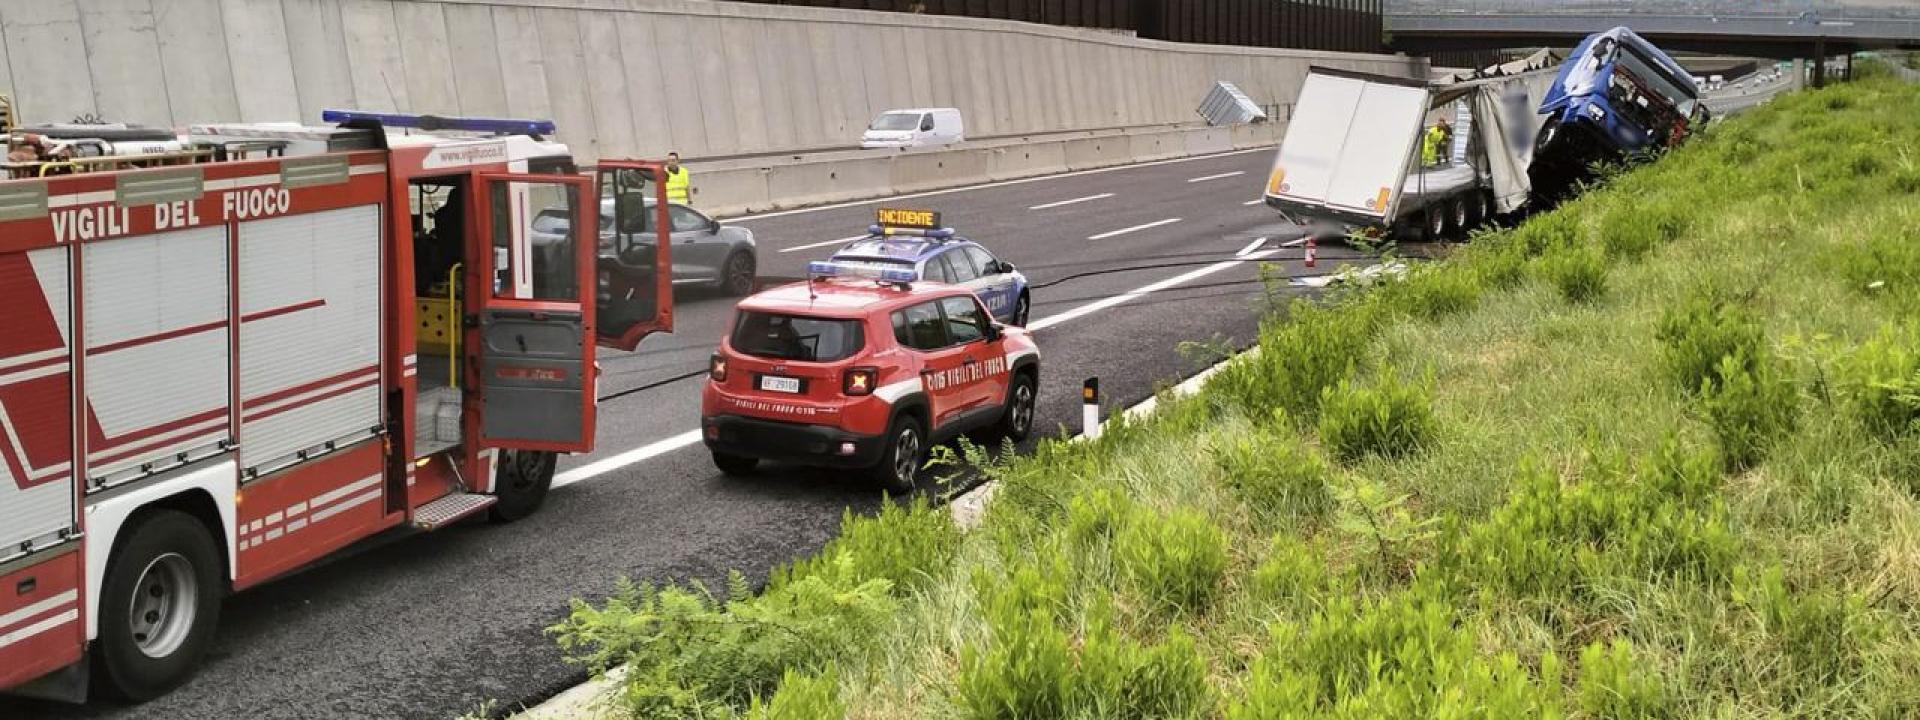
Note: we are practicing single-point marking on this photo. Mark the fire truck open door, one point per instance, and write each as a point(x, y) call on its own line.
point(532, 321)
point(635, 268)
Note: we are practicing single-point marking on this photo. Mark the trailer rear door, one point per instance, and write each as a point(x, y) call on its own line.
point(1350, 143)
point(535, 314)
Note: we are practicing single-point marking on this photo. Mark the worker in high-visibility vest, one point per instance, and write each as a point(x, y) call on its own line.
point(1434, 142)
point(679, 181)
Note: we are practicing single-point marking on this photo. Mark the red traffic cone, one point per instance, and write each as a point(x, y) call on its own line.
point(1309, 257)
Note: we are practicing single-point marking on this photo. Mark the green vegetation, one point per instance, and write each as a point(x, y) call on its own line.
point(1653, 455)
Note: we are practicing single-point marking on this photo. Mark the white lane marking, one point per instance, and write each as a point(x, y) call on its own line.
point(1064, 203)
point(1252, 246)
point(810, 246)
point(1296, 242)
point(1255, 201)
point(606, 465)
point(657, 448)
point(1204, 178)
point(1142, 291)
point(1003, 183)
point(1136, 228)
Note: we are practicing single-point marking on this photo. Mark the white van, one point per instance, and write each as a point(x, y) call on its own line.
point(921, 127)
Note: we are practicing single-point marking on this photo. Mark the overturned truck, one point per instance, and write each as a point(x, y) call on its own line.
point(1617, 99)
point(1375, 154)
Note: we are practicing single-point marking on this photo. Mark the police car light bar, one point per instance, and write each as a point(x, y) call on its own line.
point(929, 233)
point(497, 126)
point(828, 268)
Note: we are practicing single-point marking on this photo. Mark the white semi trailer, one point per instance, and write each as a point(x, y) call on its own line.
point(1352, 159)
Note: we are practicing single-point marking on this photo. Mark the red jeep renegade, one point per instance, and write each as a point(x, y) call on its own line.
point(859, 367)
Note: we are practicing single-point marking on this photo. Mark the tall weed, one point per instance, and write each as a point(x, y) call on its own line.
point(1882, 382)
point(1578, 272)
point(1817, 637)
point(902, 544)
point(1389, 418)
point(1615, 684)
point(1023, 670)
point(802, 697)
point(1749, 405)
point(1400, 657)
point(1279, 477)
point(1311, 349)
point(690, 654)
point(1700, 332)
point(1172, 563)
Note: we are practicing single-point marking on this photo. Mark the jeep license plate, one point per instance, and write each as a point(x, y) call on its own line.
point(772, 383)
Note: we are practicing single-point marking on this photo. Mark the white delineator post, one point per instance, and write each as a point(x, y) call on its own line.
point(1090, 408)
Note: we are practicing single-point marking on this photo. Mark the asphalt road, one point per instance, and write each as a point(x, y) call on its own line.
point(430, 626)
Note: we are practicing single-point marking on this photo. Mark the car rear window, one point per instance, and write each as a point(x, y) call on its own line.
point(796, 337)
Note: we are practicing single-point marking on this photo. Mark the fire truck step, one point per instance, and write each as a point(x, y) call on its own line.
point(451, 508)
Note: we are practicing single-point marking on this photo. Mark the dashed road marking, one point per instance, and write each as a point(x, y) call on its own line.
point(1204, 178)
point(1143, 291)
point(1136, 228)
point(1064, 203)
point(1252, 246)
point(810, 246)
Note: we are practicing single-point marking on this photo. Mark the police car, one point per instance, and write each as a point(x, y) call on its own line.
point(915, 240)
point(863, 367)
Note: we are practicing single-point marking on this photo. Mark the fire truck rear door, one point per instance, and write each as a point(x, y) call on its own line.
point(635, 264)
point(535, 249)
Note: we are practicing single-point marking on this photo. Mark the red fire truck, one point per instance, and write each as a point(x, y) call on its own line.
point(220, 364)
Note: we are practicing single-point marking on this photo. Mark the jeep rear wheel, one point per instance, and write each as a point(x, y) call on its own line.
point(903, 451)
point(733, 465)
point(1017, 420)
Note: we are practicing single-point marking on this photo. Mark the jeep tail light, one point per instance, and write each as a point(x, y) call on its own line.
point(859, 381)
point(717, 367)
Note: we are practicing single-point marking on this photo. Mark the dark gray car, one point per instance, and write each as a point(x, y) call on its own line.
point(705, 252)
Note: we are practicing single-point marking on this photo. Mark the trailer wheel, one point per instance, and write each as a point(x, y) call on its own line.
point(521, 484)
point(1457, 217)
point(159, 605)
point(1476, 209)
point(1435, 228)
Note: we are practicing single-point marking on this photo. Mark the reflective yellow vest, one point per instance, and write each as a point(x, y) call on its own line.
point(678, 184)
point(1429, 146)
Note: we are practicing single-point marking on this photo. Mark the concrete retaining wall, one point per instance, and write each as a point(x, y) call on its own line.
point(750, 185)
point(624, 77)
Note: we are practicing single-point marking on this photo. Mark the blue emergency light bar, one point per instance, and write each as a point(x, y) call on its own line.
point(828, 268)
point(929, 233)
point(497, 126)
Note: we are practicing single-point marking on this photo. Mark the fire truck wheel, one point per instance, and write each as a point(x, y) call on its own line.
point(158, 605)
point(737, 278)
point(1018, 418)
point(905, 450)
point(735, 465)
point(525, 476)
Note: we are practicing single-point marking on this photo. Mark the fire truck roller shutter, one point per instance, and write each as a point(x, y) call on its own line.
point(157, 365)
point(310, 342)
point(36, 395)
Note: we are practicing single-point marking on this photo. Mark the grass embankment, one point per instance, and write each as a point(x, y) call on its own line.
point(1654, 454)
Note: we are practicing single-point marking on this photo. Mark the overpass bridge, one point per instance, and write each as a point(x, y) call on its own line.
point(1428, 27)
